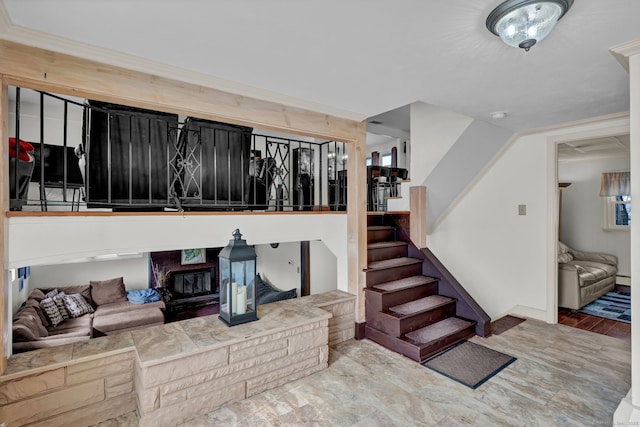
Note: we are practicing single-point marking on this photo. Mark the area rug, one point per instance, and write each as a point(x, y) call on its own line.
point(612, 305)
point(469, 363)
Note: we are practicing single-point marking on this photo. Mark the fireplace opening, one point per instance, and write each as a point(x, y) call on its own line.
point(191, 284)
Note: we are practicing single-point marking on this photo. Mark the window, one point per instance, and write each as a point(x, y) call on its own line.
point(617, 212)
point(368, 161)
point(386, 160)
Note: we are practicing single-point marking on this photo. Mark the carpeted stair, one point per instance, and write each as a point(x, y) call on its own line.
point(403, 309)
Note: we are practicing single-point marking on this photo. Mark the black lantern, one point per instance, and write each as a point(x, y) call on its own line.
point(237, 282)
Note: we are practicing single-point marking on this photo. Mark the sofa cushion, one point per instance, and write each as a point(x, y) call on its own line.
point(50, 309)
point(591, 272)
point(564, 253)
point(77, 305)
point(74, 325)
point(35, 304)
point(119, 307)
point(128, 320)
point(108, 291)
point(27, 326)
point(37, 295)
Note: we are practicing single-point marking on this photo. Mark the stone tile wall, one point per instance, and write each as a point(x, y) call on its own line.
point(77, 394)
point(86, 383)
point(177, 390)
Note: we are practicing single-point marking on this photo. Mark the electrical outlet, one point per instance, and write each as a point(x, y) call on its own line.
point(522, 209)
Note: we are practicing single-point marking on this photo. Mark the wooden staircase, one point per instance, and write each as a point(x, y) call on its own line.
point(404, 311)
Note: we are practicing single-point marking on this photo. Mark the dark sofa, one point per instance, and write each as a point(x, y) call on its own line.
point(99, 308)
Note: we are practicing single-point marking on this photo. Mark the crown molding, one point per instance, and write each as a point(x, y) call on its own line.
point(30, 37)
point(623, 51)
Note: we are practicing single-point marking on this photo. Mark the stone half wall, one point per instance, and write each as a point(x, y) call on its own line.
point(85, 383)
point(172, 392)
point(79, 393)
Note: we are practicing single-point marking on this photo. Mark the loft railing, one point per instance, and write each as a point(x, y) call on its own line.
point(93, 155)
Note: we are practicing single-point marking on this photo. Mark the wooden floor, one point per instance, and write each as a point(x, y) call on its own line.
point(562, 377)
point(596, 324)
point(599, 325)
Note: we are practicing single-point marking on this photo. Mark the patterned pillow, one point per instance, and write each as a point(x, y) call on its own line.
point(51, 293)
point(77, 305)
point(50, 309)
point(58, 299)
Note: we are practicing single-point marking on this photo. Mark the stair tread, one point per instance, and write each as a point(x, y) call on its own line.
point(422, 304)
point(443, 328)
point(386, 244)
point(408, 282)
point(393, 262)
point(379, 227)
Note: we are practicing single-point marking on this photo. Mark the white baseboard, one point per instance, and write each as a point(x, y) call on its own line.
point(532, 313)
point(623, 280)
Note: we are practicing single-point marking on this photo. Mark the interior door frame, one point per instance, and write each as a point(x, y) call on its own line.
point(613, 128)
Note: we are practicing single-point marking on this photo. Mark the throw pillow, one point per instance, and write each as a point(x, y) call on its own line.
point(61, 307)
point(50, 309)
point(51, 293)
point(84, 290)
point(108, 291)
point(76, 305)
point(564, 253)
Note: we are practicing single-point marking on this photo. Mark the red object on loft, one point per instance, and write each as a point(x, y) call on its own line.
point(25, 150)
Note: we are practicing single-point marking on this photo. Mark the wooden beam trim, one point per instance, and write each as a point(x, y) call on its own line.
point(42, 69)
point(5, 303)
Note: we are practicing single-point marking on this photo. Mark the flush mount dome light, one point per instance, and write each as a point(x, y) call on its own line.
point(523, 23)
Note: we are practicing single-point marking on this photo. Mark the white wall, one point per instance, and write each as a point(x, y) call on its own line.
point(323, 268)
point(18, 296)
point(498, 256)
point(582, 210)
point(280, 266)
point(434, 130)
point(506, 261)
point(134, 271)
point(39, 241)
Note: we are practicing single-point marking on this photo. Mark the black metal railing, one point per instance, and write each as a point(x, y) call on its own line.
point(124, 158)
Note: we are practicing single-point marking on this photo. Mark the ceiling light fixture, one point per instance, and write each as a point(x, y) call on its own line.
point(523, 23)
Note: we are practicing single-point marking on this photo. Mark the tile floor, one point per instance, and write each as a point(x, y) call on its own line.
point(563, 377)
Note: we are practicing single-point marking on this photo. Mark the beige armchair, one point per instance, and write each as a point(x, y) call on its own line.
point(584, 276)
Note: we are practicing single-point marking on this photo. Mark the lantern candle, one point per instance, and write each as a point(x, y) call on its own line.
point(242, 300)
point(233, 299)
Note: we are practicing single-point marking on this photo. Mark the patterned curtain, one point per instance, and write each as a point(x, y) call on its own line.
point(615, 184)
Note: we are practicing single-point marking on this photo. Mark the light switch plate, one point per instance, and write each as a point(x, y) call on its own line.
point(522, 209)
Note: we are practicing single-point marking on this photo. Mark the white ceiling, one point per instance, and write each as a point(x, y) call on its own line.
point(360, 58)
point(594, 149)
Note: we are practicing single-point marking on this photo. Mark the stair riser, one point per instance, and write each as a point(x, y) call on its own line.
point(375, 220)
point(421, 354)
point(387, 341)
point(386, 253)
point(374, 236)
point(382, 301)
point(397, 326)
point(376, 277)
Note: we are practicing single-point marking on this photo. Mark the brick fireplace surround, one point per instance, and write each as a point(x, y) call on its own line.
point(176, 371)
